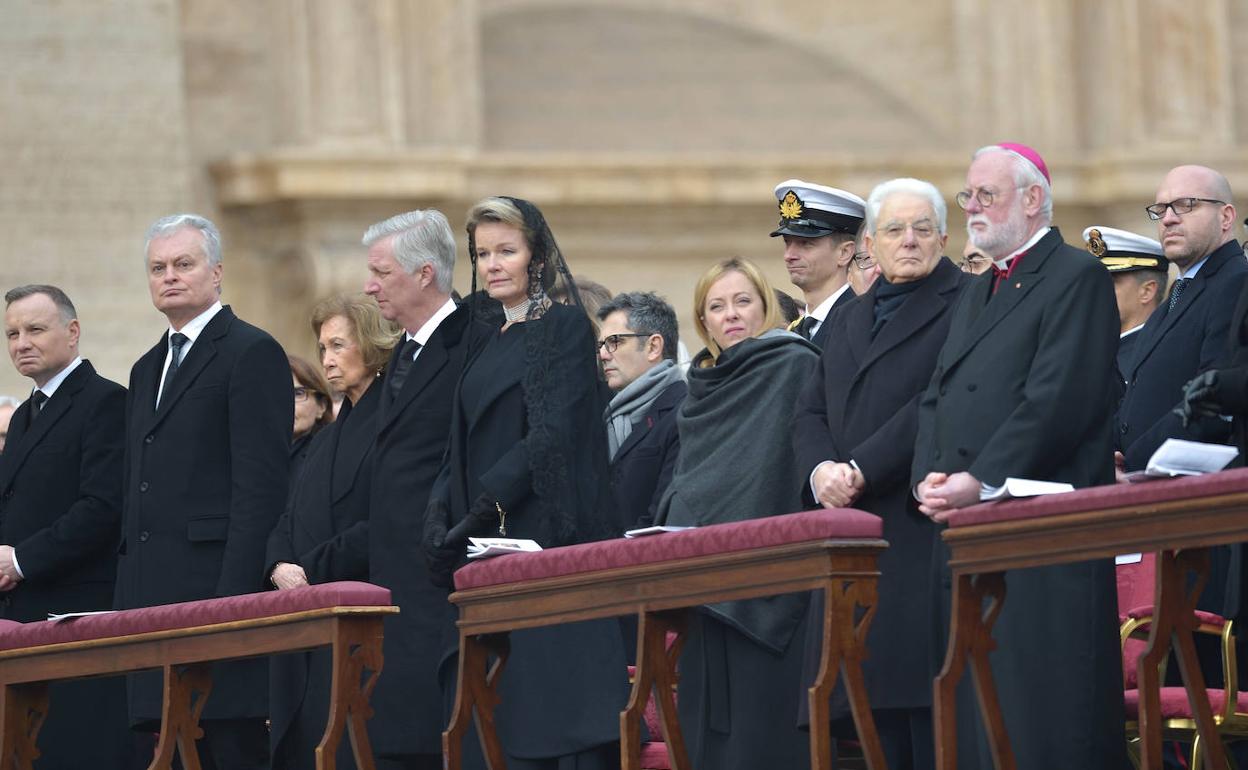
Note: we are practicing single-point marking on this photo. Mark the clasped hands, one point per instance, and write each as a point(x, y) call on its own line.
point(9, 577)
point(837, 485)
point(941, 493)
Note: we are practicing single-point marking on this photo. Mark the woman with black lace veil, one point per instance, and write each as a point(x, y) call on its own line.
point(528, 458)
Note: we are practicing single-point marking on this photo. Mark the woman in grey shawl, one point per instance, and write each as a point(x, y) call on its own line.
point(741, 671)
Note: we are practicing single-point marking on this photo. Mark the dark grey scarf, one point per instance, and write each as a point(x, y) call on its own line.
point(634, 400)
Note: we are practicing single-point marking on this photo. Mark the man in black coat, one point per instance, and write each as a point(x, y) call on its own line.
point(411, 260)
point(1140, 271)
point(853, 434)
point(208, 426)
point(1024, 387)
point(819, 225)
point(637, 340)
point(1187, 334)
point(60, 511)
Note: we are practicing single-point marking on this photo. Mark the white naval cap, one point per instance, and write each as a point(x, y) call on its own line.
point(813, 210)
point(1121, 251)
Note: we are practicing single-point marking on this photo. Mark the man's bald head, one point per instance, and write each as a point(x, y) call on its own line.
point(1194, 234)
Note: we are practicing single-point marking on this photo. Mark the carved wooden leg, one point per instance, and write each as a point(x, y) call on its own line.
point(655, 673)
point(849, 645)
point(23, 707)
point(186, 691)
point(476, 695)
point(1196, 564)
point(970, 641)
point(357, 660)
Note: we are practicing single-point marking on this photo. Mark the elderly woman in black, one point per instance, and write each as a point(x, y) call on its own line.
point(740, 674)
point(528, 459)
point(323, 534)
point(314, 409)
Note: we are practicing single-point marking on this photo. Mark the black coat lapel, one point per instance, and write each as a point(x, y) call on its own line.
point(925, 304)
point(18, 447)
point(202, 351)
point(354, 441)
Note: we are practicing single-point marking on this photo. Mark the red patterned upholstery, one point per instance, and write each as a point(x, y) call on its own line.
point(837, 524)
point(204, 612)
point(1174, 703)
point(1207, 618)
point(1109, 496)
point(654, 756)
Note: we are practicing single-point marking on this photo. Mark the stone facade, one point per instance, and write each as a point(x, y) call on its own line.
point(650, 131)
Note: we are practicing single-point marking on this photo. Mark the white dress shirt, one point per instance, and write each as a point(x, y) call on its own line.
point(192, 330)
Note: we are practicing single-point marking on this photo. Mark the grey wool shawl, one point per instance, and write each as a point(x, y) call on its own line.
point(736, 458)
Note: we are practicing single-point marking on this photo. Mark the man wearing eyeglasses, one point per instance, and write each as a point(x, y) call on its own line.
point(637, 348)
point(1024, 386)
point(1187, 334)
point(819, 225)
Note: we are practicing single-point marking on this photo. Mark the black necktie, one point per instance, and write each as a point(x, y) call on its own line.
point(402, 366)
point(805, 327)
point(1179, 286)
point(37, 400)
point(176, 341)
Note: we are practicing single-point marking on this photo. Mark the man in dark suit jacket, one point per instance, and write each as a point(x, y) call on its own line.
point(1187, 334)
point(819, 225)
point(1024, 387)
point(411, 260)
point(637, 342)
point(853, 435)
point(60, 511)
point(1140, 271)
point(208, 427)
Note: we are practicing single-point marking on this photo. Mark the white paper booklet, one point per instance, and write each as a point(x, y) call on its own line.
point(1177, 457)
point(656, 530)
point(483, 547)
point(57, 618)
point(1025, 488)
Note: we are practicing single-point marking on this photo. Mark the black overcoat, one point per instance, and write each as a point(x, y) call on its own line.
point(564, 685)
point(1025, 387)
point(862, 404)
point(411, 439)
point(1173, 347)
point(642, 467)
point(324, 530)
point(205, 481)
point(60, 507)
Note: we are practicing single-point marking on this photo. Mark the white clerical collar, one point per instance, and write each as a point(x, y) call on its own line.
point(51, 385)
point(1130, 331)
point(820, 313)
point(1004, 262)
point(426, 329)
point(193, 327)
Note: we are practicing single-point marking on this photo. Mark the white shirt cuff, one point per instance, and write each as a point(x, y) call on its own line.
point(813, 492)
point(17, 566)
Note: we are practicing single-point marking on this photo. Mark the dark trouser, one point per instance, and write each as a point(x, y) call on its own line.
point(411, 762)
point(228, 744)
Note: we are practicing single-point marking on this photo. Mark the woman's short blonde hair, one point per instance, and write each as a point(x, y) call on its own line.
point(503, 211)
point(375, 335)
point(766, 295)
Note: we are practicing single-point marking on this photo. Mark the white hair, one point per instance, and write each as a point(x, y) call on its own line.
point(166, 226)
point(424, 237)
point(907, 186)
point(1025, 175)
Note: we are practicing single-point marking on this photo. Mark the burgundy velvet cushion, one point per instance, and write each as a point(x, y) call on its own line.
point(828, 524)
point(1108, 496)
point(204, 612)
point(1208, 618)
point(654, 756)
point(1174, 703)
point(1136, 583)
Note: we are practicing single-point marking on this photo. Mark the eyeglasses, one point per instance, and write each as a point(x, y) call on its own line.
point(301, 394)
point(612, 342)
point(1179, 206)
point(983, 195)
point(863, 260)
point(973, 262)
point(895, 230)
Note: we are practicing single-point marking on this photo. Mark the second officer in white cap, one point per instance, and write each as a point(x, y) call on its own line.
point(1139, 269)
point(818, 224)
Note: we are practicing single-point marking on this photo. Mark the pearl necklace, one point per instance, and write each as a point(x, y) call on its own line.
point(517, 313)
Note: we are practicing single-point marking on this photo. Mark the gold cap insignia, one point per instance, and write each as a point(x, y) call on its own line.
point(1096, 244)
point(790, 206)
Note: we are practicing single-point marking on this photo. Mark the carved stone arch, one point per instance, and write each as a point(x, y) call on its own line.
point(576, 76)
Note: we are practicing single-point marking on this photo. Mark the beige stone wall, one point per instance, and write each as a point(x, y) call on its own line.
point(650, 131)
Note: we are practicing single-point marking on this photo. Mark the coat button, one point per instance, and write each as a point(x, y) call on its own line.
point(1122, 429)
point(943, 390)
point(149, 438)
point(143, 536)
point(936, 455)
point(143, 486)
point(962, 452)
point(971, 387)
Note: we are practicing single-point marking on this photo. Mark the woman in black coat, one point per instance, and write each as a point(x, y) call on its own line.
point(528, 459)
point(323, 535)
point(314, 409)
point(741, 666)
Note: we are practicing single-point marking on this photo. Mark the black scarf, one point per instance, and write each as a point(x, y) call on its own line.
point(889, 297)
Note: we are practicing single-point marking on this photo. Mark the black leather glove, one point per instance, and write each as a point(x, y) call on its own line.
point(440, 556)
point(1201, 397)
